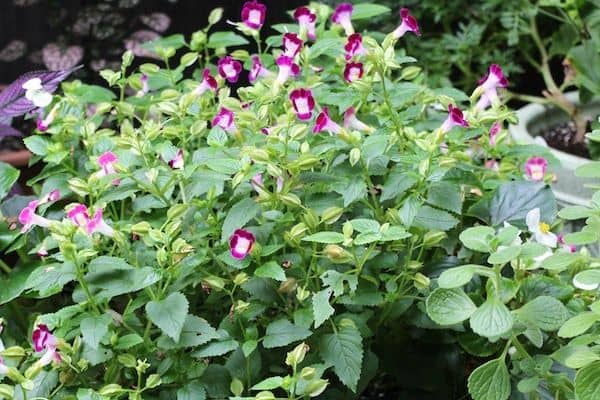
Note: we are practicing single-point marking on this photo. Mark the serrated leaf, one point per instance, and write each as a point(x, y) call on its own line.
point(513, 200)
point(196, 331)
point(8, 177)
point(94, 328)
point(544, 312)
point(238, 216)
point(282, 332)
point(490, 381)
point(216, 349)
point(575, 356)
point(456, 277)
point(169, 314)
point(192, 391)
point(322, 310)
point(449, 306)
point(431, 218)
point(343, 349)
point(491, 319)
point(271, 270)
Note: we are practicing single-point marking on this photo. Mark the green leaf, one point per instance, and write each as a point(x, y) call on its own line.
point(94, 328)
point(271, 270)
point(335, 280)
point(586, 236)
point(491, 319)
point(169, 314)
point(92, 93)
point(544, 312)
point(504, 255)
point(192, 391)
point(575, 212)
point(559, 261)
point(513, 200)
point(328, 46)
point(325, 237)
point(490, 381)
point(589, 170)
point(367, 237)
point(449, 306)
point(225, 39)
point(368, 10)
point(397, 183)
point(322, 310)
point(432, 218)
point(38, 145)
point(282, 332)
point(238, 216)
point(445, 195)
point(216, 349)
point(456, 277)
point(365, 225)
point(196, 331)
point(585, 58)
point(578, 324)
point(129, 341)
point(575, 356)
point(343, 349)
point(112, 276)
point(8, 177)
point(587, 382)
point(268, 384)
point(478, 238)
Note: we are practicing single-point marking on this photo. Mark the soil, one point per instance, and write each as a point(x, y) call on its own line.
point(561, 138)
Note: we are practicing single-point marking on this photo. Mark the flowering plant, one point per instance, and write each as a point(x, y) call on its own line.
point(189, 243)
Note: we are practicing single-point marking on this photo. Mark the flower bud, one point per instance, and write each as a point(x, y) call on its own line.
point(153, 381)
point(415, 264)
point(302, 294)
point(141, 228)
point(198, 40)
point(288, 286)
point(241, 306)
point(111, 389)
point(421, 282)
point(304, 147)
point(347, 229)
point(6, 391)
point(337, 254)
point(409, 73)
point(265, 395)
point(240, 278)
point(162, 257)
point(433, 238)
point(308, 373)
point(310, 219)
point(176, 211)
point(297, 355)
point(354, 156)
point(290, 199)
point(317, 387)
point(13, 351)
point(214, 282)
point(127, 360)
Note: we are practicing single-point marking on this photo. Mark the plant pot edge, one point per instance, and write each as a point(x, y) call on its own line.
point(520, 134)
point(17, 158)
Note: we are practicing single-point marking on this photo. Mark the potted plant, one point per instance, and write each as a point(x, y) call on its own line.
point(561, 119)
point(294, 241)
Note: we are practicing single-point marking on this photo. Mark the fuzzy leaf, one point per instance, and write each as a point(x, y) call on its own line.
point(490, 381)
point(344, 350)
point(282, 332)
point(169, 314)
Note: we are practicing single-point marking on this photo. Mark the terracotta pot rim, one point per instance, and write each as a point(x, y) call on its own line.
point(16, 158)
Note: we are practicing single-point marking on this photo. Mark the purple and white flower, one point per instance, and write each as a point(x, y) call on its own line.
point(292, 44)
point(353, 71)
point(28, 217)
point(97, 224)
point(287, 67)
point(325, 123)
point(208, 83)
point(354, 46)
point(253, 14)
point(241, 243)
point(535, 168)
point(352, 122)
point(258, 70)
point(408, 24)
point(307, 21)
point(177, 161)
point(44, 341)
point(343, 16)
point(229, 69)
point(455, 118)
point(224, 120)
point(303, 103)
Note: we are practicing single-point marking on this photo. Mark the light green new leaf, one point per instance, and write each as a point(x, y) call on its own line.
point(271, 270)
point(490, 381)
point(343, 349)
point(325, 237)
point(578, 324)
point(491, 319)
point(169, 314)
point(544, 312)
point(225, 39)
point(478, 238)
point(456, 277)
point(368, 10)
point(587, 382)
point(322, 310)
point(449, 306)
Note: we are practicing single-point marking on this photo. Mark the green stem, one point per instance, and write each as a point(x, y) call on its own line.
point(5, 267)
point(388, 102)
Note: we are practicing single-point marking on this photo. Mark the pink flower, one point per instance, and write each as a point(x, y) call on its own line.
point(408, 24)
point(455, 118)
point(535, 168)
point(107, 161)
point(97, 224)
point(177, 161)
point(257, 182)
point(28, 217)
point(78, 214)
point(492, 164)
point(229, 69)
point(43, 124)
point(350, 121)
point(303, 103)
point(43, 339)
point(145, 87)
point(306, 19)
point(51, 196)
point(493, 79)
point(343, 16)
point(253, 14)
point(279, 184)
point(287, 67)
point(324, 123)
point(266, 130)
point(258, 70)
point(353, 71)
point(292, 44)
point(494, 131)
point(224, 119)
point(570, 248)
point(208, 83)
point(240, 243)
point(354, 46)
point(486, 99)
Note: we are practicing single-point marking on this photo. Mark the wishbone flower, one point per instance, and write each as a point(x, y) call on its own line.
point(34, 92)
point(258, 70)
point(569, 248)
point(208, 83)
point(253, 14)
point(28, 217)
point(351, 121)
point(455, 118)
point(324, 123)
point(78, 214)
point(44, 340)
point(307, 21)
point(343, 16)
point(97, 224)
point(494, 131)
point(287, 67)
point(224, 120)
point(107, 162)
point(241, 243)
point(354, 46)
point(535, 168)
point(540, 230)
point(177, 161)
point(353, 71)
point(42, 125)
point(303, 103)
point(488, 86)
point(229, 69)
point(292, 44)
point(408, 24)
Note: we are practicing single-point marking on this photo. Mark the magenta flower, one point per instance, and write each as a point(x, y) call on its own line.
point(51, 196)
point(408, 24)
point(208, 83)
point(570, 248)
point(257, 182)
point(145, 87)
point(224, 120)
point(486, 99)
point(107, 161)
point(492, 165)
point(324, 123)
point(177, 161)
point(43, 124)
point(354, 46)
point(292, 44)
point(241, 243)
point(494, 131)
point(350, 121)
point(343, 16)
point(493, 79)
point(253, 14)
point(78, 214)
point(307, 21)
point(303, 103)
point(97, 224)
point(266, 130)
point(535, 168)
point(353, 71)
point(455, 118)
point(287, 67)
point(258, 70)
point(44, 340)
point(28, 217)
point(229, 69)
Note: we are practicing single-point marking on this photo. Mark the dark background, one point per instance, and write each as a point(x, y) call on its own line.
point(38, 22)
